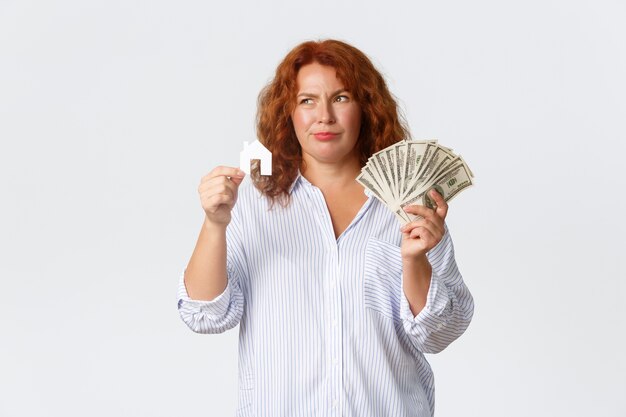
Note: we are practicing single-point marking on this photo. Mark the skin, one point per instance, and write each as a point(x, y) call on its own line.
point(419, 237)
point(323, 105)
point(205, 275)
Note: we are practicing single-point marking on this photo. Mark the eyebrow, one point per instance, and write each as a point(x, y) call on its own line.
point(343, 90)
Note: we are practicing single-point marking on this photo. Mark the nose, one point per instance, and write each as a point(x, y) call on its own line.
point(326, 114)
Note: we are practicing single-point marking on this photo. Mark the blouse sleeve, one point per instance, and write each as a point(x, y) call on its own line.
point(225, 311)
point(449, 304)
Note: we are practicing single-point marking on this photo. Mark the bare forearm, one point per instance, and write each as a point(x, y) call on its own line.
point(205, 276)
point(416, 282)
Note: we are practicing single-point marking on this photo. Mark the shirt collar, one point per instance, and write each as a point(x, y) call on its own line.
point(295, 182)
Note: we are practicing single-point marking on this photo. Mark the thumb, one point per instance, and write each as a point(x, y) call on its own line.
point(237, 179)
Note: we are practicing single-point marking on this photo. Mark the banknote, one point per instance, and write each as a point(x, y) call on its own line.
point(404, 173)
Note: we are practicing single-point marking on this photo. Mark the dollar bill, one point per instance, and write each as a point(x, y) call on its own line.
point(404, 173)
point(449, 184)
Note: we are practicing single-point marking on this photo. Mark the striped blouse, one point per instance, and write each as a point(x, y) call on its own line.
point(325, 329)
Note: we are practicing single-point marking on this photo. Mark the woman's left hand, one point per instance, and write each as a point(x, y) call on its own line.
point(420, 236)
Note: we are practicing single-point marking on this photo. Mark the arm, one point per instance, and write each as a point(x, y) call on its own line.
point(210, 302)
point(448, 305)
point(205, 276)
point(436, 306)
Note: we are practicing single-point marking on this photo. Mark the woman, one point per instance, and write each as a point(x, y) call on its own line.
point(337, 304)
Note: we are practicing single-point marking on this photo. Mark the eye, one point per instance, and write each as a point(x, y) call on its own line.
point(306, 101)
point(342, 99)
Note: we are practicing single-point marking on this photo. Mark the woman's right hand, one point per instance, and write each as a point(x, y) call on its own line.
point(218, 193)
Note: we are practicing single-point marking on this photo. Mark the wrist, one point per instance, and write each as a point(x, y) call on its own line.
point(415, 260)
point(213, 227)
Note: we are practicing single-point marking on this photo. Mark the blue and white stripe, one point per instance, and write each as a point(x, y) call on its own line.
point(325, 327)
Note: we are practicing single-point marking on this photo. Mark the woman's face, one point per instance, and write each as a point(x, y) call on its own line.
point(326, 118)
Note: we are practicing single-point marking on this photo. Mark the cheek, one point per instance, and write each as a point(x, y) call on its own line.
point(300, 121)
point(352, 120)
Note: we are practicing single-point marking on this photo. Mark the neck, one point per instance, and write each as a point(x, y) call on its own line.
point(331, 175)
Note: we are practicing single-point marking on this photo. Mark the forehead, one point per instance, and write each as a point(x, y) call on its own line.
point(317, 76)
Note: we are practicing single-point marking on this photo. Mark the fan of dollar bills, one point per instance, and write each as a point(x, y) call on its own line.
point(405, 172)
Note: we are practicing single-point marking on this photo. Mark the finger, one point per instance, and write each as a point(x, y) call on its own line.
point(214, 202)
point(423, 234)
point(217, 185)
point(442, 206)
point(436, 228)
point(219, 189)
point(411, 225)
point(220, 181)
point(225, 171)
point(419, 210)
point(228, 171)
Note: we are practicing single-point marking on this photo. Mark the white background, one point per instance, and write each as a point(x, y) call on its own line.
point(111, 112)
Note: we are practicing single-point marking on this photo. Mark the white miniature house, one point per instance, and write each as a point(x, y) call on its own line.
point(255, 150)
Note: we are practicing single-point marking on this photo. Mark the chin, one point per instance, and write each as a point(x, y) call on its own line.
point(328, 158)
point(329, 153)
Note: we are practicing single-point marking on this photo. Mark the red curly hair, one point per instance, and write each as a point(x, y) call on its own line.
point(382, 124)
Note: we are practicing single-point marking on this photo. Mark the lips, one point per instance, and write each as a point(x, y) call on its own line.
point(325, 135)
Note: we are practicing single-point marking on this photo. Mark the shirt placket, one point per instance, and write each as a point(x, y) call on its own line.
point(332, 295)
point(336, 362)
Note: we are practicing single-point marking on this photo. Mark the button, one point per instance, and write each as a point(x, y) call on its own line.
point(335, 361)
point(335, 403)
point(439, 326)
point(334, 322)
